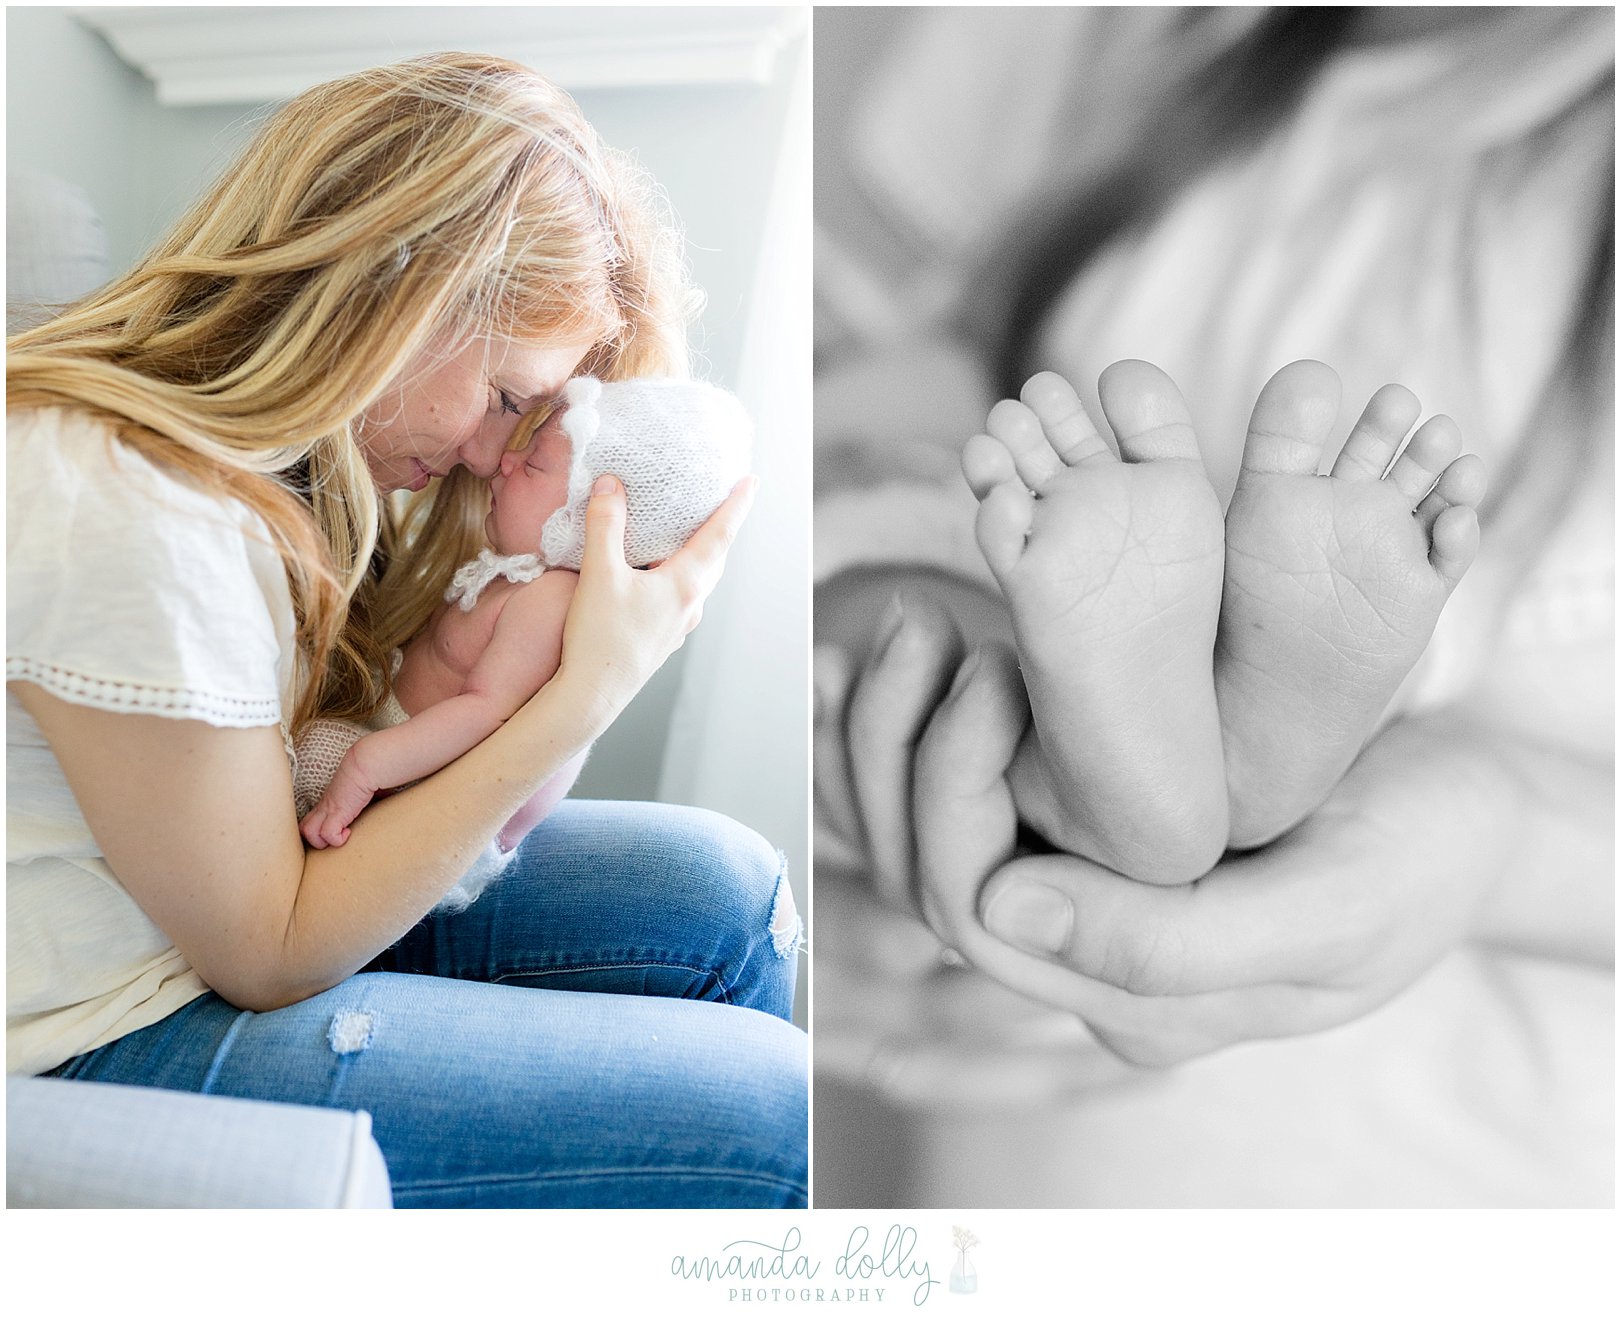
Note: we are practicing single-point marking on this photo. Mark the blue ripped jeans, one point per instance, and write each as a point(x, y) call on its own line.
point(604, 1027)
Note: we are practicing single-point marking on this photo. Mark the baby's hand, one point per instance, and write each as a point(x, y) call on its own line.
point(328, 821)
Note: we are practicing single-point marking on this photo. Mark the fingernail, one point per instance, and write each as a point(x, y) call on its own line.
point(605, 485)
point(965, 671)
point(1031, 916)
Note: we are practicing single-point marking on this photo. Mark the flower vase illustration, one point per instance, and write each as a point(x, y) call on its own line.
point(963, 1276)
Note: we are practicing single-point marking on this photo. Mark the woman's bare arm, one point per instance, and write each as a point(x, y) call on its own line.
point(197, 822)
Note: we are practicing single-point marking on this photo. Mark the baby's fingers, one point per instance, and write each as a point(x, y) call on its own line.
point(310, 828)
point(322, 829)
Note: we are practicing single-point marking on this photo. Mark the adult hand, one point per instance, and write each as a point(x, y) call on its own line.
point(888, 642)
point(623, 623)
point(897, 1011)
point(899, 1014)
point(1317, 929)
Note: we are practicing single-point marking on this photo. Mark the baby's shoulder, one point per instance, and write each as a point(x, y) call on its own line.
point(554, 583)
point(544, 600)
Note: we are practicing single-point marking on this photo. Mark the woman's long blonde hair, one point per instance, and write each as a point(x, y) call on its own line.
point(408, 208)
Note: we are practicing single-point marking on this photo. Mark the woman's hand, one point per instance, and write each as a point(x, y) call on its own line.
point(1393, 872)
point(899, 1014)
point(888, 644)
point(624, 623)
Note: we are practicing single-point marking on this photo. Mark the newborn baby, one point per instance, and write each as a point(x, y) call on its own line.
point(677, 446)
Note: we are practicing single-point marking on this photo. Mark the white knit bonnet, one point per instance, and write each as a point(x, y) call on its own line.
point(679, 446)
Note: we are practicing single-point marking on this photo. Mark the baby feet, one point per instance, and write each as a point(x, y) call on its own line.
point(1333, 585)
point(1112, 567)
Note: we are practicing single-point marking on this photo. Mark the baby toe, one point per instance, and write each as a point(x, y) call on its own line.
point(1454, 541)
point(1391, 413)
point(986, 464)
point(1464, 481)
point(1064, 419)
point(1146, 410)
point(1435, 444)
point(1021, 433)
point(1448, 518)
point(1293, 416)
point(1002, 526)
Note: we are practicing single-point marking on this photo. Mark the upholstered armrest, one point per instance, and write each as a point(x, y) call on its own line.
point(79, 1144)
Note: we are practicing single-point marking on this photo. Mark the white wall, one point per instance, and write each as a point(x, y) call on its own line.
point(72, 109)
point(75, 109)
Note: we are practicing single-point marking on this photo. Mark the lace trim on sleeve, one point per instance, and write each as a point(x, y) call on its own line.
point(137, 698)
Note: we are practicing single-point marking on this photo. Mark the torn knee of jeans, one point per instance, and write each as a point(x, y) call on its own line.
point(786, 927)
point(350, 1031)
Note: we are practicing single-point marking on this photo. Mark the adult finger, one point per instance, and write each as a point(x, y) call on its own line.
point(1243, 924)
point(915, 654)
point(835, 793)
point(961, 1041)
point(604, 541)
point(965, 818)
point(898, 1017)
point(966, 830)
point(863, 943)
point(1161, 1030)
point(894, 1016)
point(703, 557)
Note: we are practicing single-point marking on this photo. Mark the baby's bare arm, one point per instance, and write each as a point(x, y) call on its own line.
point(521, 658)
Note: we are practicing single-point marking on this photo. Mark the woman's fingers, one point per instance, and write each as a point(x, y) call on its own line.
point(892, 1015)
point(915, 654)
point(966, 822)
point(966, 830)
point(1252, 921)
point(697, 565)
point(623, 625)
point(834, 788)
point(703, 557)
point(961, 1041)
point(1153, 1030)
point(966, 833)
point(604, 541)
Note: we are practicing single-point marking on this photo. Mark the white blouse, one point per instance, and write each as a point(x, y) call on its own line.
point(127, 590)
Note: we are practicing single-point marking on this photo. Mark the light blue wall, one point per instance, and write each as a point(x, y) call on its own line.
point(73, 109)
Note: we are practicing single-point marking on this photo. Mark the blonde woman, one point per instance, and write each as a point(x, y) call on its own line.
point(403, 264)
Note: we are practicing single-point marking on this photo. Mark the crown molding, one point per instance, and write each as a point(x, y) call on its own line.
point(224, 55)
